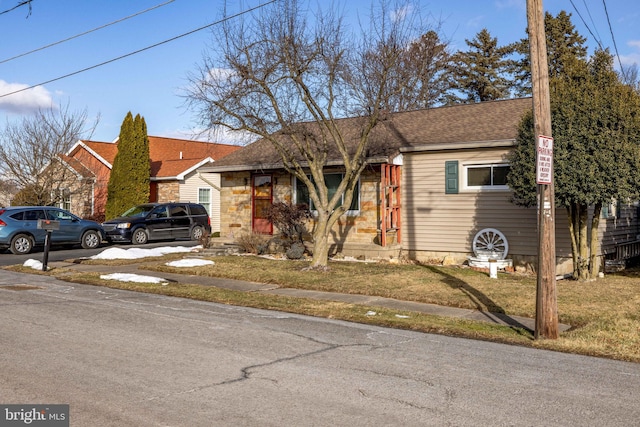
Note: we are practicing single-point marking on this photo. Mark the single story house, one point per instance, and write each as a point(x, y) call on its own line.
point(435, 179)
point(174, 174)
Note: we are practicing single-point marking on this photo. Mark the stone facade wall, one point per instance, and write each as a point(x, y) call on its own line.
point(236, 215)
point(235, 204)
point(168, 191)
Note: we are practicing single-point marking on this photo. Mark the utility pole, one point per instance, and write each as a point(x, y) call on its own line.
point(546, 300)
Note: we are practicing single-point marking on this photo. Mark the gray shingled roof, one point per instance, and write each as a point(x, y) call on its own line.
point(478, 125)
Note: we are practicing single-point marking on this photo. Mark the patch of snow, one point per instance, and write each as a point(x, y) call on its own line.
point(35, 264)
point(371, 313)
point(136, 253)
point(128, 277)
point(401, 316)
point(190, 262)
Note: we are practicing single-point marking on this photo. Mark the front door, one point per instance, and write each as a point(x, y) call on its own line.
point(262, 192)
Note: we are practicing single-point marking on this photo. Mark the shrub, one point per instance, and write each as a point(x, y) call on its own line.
point(253, 243)
point(289, 220)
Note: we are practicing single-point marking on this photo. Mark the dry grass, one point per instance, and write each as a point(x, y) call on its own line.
point(604, 314)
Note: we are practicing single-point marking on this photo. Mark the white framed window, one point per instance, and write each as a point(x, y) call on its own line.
point(62, 197)
point(333, 181)
point(485, 176)
point(204, 198)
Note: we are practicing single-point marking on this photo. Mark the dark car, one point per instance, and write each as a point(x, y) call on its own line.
point(159, 221)
point(20, 233)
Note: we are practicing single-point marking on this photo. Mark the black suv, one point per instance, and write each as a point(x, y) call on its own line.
point(159, 221)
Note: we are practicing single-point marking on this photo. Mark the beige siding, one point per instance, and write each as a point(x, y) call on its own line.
point(190, 187)
point(439, 224)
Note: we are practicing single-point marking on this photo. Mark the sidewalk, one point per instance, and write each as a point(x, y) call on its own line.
point(373, 301)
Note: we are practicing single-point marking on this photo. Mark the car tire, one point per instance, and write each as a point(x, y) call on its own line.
point(91, 239)
point(21, 244)
point(197, 232)
point(139, 236)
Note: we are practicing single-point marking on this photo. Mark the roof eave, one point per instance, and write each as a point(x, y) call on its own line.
point(276, 166)
point(448, 146)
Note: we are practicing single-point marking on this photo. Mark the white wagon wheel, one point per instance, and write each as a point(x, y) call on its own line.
point(490, 243)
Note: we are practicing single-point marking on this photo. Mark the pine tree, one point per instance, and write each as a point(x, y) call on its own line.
point(481, 73)
point(596, 130)
point(129, 179)
point(563, 42)
point(423, 80)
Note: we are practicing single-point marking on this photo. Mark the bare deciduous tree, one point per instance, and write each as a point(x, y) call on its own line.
point(288, 79)
point(31, 149)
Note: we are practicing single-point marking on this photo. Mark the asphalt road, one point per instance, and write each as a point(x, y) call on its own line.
point(127, 359)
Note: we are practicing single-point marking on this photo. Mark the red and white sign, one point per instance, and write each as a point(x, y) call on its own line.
point(544, 160)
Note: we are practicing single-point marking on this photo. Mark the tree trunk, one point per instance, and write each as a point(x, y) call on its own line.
point(579, 230)
point(573, 225)
point(320, 259)
point(583, 231)
point(593, 256)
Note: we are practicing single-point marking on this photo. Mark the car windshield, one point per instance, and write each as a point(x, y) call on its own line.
point(138, 211)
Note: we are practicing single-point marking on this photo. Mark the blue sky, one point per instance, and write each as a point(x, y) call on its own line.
point(149, 83)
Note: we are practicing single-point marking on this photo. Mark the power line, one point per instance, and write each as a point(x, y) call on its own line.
point(585, 23)
point(85, 33)
point(615, 46)
point(139, 50)
point(22, 3)
point(592, 21)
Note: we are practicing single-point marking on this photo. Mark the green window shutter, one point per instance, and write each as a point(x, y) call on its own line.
point(451, 177)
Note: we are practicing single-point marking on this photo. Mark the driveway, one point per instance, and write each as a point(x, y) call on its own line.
point(123, 358)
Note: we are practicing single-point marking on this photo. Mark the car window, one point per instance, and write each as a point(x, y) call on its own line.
point(197, 210)
point(57, 215)
point(31, 215)
point(138, 211)
point(159, 212)
point(18, 216)
point(178, 210)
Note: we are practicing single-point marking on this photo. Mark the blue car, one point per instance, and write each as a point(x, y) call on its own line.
point(19, 230)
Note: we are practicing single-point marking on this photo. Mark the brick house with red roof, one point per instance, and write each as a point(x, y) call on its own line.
point(174, 174)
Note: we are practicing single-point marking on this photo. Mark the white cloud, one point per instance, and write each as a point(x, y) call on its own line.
point(221, 73)
point(25, 101)
point(634, 56)
point(220, 135)
point(401, 13)
point(511, 4)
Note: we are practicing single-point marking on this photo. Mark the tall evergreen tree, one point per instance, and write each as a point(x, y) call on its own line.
point(129, 179)
point(482, 72)
point(423, 79)
point(563, 42)
point(596, 130)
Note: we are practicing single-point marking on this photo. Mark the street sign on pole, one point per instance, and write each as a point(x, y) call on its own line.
point(544, 160)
